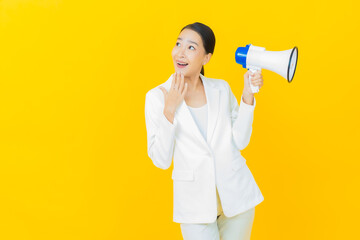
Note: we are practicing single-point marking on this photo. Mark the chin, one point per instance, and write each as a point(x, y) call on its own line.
point(185, 71)
point(182, 70)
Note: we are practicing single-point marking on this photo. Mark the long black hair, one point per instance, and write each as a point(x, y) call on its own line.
point(207, 36)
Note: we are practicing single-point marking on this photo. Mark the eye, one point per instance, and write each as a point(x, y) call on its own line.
point(192, 47)
point(177, 44)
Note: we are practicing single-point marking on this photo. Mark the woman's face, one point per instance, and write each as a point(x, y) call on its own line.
point(189, 51)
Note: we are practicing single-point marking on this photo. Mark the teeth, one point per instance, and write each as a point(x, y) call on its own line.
point(183, 64)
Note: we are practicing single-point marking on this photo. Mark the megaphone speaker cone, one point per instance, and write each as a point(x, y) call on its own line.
point(292, 64)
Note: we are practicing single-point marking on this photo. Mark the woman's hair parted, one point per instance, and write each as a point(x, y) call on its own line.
point(207, 36)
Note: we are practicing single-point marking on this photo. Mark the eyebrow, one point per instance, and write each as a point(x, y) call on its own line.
point(189, 41)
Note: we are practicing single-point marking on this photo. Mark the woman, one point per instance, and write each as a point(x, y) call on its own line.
point(197, 122)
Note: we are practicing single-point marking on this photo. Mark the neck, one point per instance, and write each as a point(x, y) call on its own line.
point(194, 82)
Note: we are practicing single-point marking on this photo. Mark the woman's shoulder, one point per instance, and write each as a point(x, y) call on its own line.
point(156, 93)
point(218, 83)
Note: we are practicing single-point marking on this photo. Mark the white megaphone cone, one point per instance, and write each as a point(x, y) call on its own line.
point(255, 58)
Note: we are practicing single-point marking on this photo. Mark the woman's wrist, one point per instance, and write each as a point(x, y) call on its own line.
point(248, 98)
point(169, 113)
point(169, 109)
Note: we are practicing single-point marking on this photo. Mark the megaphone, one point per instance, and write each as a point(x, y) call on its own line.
point(255, 58)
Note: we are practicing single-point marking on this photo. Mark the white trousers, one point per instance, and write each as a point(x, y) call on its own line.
point(237, 227)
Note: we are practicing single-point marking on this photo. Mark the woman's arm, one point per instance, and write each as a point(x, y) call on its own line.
point(248, 98)
point(160, 132)
point(242, 118)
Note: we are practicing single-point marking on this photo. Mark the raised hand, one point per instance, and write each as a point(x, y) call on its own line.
point(256, 80)
point(175, 96)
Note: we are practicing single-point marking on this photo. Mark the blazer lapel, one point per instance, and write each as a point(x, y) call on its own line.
point(212, 98)
point(184, 115)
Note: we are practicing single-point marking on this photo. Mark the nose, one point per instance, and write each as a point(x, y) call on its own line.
point(181, 53)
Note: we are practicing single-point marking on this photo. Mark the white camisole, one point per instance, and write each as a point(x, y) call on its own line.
point(200, 116)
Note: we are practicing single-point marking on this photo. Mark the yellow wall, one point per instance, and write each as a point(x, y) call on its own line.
point(73, 78)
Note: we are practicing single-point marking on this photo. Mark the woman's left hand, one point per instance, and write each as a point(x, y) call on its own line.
point(256, 80)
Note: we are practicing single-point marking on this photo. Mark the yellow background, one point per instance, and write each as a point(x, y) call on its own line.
point(73, 78)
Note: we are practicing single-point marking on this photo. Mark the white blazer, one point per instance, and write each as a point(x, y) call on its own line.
point(201, 164)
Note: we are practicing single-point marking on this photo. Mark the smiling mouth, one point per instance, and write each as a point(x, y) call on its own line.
point(181, 64)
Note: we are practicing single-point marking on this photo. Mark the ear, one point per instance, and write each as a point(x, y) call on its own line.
point(207, 58)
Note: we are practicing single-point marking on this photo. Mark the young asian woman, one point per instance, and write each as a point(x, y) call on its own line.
point(197, 123)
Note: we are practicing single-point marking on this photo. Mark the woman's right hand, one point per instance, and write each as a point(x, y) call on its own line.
point(176, 94)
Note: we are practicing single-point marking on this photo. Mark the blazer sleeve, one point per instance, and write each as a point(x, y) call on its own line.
point(241, 118)
point(160, 132)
